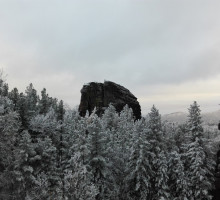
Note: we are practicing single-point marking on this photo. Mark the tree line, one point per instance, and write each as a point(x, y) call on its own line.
point(48, 152)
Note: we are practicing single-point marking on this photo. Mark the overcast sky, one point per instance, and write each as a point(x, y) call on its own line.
point(166, 52)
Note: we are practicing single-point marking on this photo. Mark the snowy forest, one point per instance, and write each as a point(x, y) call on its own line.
point(49, 152)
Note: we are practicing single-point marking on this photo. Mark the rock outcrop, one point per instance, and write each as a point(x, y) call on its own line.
point(100, 95)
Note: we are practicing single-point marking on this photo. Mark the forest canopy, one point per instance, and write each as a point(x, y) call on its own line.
point(49, 152)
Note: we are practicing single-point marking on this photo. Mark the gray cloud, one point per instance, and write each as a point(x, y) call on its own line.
point(135, 43)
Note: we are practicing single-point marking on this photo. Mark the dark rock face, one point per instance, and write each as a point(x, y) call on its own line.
point(100, 95)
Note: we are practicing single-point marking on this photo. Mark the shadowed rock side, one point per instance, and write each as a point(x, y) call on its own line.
point(100, 95)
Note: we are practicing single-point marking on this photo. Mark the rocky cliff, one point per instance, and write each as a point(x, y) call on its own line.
point(100, 95)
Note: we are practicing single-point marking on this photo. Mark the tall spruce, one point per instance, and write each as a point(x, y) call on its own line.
point(78, 176)
point(178, 181)
point(155, 135)
point(9, 131)
point(199, 166)
point(24, 168)
point(31, 100)
point(99, 162)
point(14, 97)
point(44, 102)
point(139, 169)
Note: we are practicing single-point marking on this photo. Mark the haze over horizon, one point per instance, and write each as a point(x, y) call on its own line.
point(165, 52)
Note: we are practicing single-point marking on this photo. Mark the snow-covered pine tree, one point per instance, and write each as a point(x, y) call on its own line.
point(178, 182)
point(41, 188)
point(99, 162)
point(125, 131)
point(199, 166)
point(31, 99)
point(110, 126)
point(154, 125)
point(5, 90)
point(36, 168)
point(14, 97)
point(161, 178)
point(110, 118)
point(125, 126)
point(78, 180)
point(46, 131)
point(9, 127)
point(180, 137)
point(30, 105)
point(60, 111)
point(21, 105)
point(73, 126)
point(158, 158)
point(43, 102)
point(122, 137)
point(43, 125)
point(61, 147)
point(3, 85)
point(138, 169)
point(24, 170)
point(78, 177)
point(48, 164)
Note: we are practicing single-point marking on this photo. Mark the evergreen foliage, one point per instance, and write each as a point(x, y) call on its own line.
point(199, 165)
point(139, 169)
point(50, 152)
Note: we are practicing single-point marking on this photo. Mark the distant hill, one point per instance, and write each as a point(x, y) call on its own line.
point(176, 117)
point(210, 122)
point(211, 118)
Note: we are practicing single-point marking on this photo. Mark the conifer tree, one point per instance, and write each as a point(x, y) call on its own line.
point(5, 90)
point(78, 176)
point(73, 126)
point(157, 159)
point(110, 128)
point(155, 126)
point(110, 118)
point(31, 101)
point(60, 111)
point(79, 181)
point(22, 111)
point(139, 171)
point(199, 167)
point(98, 161)
point(124, 132)
point(3, 85)
point(161, 178)
point(9, 126)
point(24, 170)
point(178, 181)
point(46, 125)
point(49, 152)
point(48, 163)
point(14, 97)
point(46, 130)
point(25, 105)
point(43, 102)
